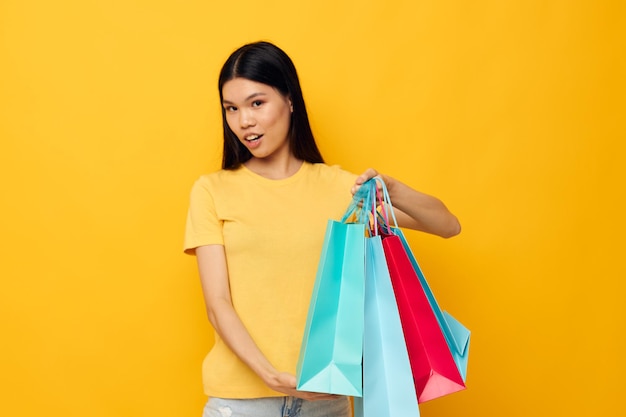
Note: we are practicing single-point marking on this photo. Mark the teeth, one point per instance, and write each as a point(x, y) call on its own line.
point(252, 137)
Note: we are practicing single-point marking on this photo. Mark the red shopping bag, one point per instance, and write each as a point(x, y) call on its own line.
point(435, 372)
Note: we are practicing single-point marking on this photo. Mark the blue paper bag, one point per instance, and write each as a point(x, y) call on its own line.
point(388, 389)
point(332, 345)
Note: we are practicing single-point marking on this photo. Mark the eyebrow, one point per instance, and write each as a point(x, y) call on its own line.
point(250, 97)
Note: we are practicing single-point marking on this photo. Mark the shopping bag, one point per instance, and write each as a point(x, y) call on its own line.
point(435, 371)
point(332, 346)
point(457, 336)
point(388, 389)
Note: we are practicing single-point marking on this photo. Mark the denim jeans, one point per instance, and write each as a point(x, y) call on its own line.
point(277, 407)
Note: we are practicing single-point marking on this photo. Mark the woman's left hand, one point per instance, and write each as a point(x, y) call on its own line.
point(361, 179)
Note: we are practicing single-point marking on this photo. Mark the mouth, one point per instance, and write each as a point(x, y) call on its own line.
point(253, 138)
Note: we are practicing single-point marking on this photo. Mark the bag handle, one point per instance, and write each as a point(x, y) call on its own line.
point(358, 211)
point(363, 209)
point(383, 200)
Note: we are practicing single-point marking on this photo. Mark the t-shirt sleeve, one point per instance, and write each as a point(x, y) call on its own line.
point(203, 225)
point(347, 178)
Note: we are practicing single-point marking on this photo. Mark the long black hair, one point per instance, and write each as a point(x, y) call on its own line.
point(265, 63)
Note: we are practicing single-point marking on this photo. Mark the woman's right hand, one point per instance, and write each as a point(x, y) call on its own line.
point(286, 383)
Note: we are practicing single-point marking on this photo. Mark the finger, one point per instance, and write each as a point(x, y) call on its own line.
point(328, 396)
point(369, 173)
point(314, 396)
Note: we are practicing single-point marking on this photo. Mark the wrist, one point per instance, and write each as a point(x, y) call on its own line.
point(269, 376)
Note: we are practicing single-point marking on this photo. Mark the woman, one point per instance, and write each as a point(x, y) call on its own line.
point(257, 227)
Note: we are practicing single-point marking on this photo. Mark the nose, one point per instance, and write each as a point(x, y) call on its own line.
point(246, 119)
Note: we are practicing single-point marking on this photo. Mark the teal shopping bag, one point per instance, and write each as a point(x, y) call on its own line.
point(332, 345)
point(388, 389)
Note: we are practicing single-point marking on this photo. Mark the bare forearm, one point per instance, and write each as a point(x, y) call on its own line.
point(419, 211)
point(222, 315)
point(229, 326)
point(231, 329)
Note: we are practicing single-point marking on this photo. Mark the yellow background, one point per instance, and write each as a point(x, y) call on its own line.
point(510, 111)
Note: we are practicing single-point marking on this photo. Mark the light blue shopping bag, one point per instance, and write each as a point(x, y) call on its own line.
point(388, 389)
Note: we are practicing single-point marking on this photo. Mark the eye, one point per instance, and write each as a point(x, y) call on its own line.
point(256, 103)
point(230, 108)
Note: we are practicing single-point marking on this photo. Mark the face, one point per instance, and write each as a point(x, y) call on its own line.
point(259, 115)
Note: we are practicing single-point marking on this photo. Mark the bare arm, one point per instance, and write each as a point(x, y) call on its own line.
point(414, 209)
point(224, 318)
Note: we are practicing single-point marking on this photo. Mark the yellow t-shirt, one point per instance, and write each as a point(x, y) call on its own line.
point(272, 232)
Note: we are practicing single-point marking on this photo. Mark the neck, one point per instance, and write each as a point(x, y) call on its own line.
point(274, 169)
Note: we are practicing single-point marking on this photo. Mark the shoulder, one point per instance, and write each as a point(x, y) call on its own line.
point(329, 182)
point(217, 178)
point(332, 173)
point(215, 184)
